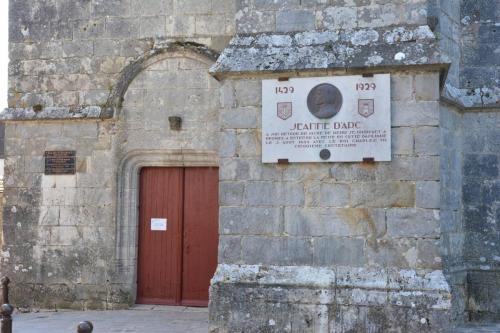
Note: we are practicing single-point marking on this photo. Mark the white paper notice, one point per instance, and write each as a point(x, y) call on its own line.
point(158, 224)
point(327, 119)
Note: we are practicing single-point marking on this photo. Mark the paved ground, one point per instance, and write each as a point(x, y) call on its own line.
point(141, 319)
point(480, 328)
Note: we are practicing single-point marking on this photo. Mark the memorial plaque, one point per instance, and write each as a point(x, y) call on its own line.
point(327, 119)
point(60, 162)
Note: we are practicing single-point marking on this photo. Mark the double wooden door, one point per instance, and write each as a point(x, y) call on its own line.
point(178, 235)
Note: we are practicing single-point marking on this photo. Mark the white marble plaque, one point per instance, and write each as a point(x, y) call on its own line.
point(327, 119)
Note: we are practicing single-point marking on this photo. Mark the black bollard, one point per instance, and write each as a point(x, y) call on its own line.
point(6, 321)
point(5, 290)
point(6, 309)
point(84, 327)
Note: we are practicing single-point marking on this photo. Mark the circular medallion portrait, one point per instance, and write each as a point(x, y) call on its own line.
point(324, 101)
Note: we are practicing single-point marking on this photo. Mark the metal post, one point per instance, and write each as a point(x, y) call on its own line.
point(5, 290)
point(6, 321)
point(6, 309)
point(83, 327)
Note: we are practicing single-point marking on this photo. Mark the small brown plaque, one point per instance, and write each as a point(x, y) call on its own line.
point(60, 162)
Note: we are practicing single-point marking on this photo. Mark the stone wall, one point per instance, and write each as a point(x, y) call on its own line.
point(62, 235)
point(70, 53)
point(358, 225)
point(444, 17)
point(481, 219)
point(58, 229)
point(480, 64)
point(453, 233)
point(254, 16)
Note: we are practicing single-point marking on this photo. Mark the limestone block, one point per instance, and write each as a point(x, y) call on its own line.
point(227, 144)
point(412, 222)
point(393, 194)
point(110, 8)
point(64, 235)
point(336, 195)
point(429, 254)
point(248, 92)
point(274, 194)
point(248, 144)
point(255, 21)
point(391, 252)
point(427, 140)
point(192, 7)
point(224, 6)
point(153, 26)
point(106, 47)
point(241, 118)
point(334, 18)
point(177, 26)
point(229, 249)
point(79, 130)
point(89, 29)
point(94, 197)
point(403, 141)
point(289, 251)
point(275, 4)
point(135, 48)
point(231, 193)
point(428, 195)
point(379, 16)
point(77, 48)
point(402, 87)
point(329, 251)
point(250, 221)
point(343, 222)
point(49, 215)
point(151, 7)
point(53, 197)
point(118, 27)
point(409, 169)
point(480, 166)
point(74, 9)
point(210, 25)
point(415, 114)
point(427, 87)
point(295, 20)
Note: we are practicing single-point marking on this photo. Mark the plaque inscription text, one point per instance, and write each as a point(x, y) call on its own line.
point(60, 162)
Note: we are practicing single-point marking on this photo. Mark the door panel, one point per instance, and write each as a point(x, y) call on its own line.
point(175, 266)
point(200, 236)
point(160, 252)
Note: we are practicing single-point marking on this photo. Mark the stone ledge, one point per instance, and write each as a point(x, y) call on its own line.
point(324, 50)
point(55, 113)
point(472, 99)
point(398, 286)
point(328, 299)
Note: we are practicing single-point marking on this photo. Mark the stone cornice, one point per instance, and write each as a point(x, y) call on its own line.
point(365, 49)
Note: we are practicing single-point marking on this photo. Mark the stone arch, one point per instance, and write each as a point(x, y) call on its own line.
point(159, 52)
point(174, 152)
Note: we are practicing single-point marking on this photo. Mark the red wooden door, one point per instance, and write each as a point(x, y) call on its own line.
point(175, 265)
point(201, 239)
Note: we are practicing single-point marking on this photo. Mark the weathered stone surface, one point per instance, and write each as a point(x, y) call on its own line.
point(244, 54)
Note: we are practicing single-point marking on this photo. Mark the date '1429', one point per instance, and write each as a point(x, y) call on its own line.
point(285, 90)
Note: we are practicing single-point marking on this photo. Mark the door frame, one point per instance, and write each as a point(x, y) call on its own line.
point(127, 217)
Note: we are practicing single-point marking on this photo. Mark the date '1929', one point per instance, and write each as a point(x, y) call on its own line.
point(366, 86)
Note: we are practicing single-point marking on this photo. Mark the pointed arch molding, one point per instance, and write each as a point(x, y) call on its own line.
point(159, 52)
point(128, 199)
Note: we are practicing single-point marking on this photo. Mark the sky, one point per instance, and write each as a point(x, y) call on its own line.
point(4, 52)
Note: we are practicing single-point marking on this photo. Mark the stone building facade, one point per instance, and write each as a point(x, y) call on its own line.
point(410, 245)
